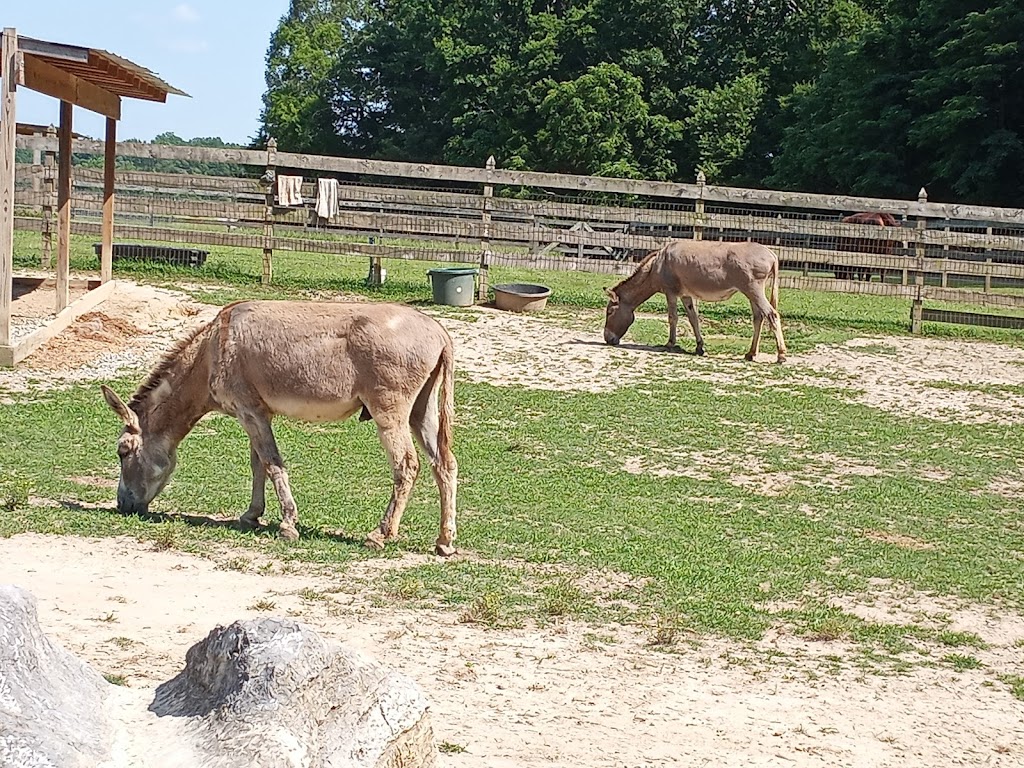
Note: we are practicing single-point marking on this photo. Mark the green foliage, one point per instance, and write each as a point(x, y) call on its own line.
point(927, 96)
point(654, 88)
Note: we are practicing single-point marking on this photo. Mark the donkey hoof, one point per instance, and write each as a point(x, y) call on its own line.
point(780, 359)
point(700, 351)
point(248, 522)
point(288, 533)
point(749, 357)
point(374, 541)
point(445, 550)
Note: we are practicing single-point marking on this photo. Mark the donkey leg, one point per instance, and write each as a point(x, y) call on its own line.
point(690, 304)
point(258, 504)
point(673, 322)
point(775, 319)
point(405, 466)
point(443, 464)
point(257, 426)
point(758, 311)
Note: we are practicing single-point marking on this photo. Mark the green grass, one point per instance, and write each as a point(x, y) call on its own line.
point(232, 273)
point(544, 501)
point(712, 553)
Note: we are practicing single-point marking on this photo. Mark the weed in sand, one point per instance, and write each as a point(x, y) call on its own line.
point(962, 662)
point(263, 605)
point(115, 679)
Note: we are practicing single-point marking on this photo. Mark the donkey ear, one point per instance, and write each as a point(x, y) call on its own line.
point(131, 421)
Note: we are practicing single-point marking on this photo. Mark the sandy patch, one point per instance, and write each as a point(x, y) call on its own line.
point(126, 333)
point(939, 379)
point(513, 350)
point(891, 603)
point(749, 470)
point(529, 697)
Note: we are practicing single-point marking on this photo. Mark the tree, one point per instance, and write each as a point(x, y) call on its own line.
point(652, 88)
point(306, 51)
point(929, 96)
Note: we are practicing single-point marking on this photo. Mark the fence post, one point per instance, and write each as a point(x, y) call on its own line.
point(268, 214)
point(945, 256)
point(698, 207)
point(485, 239)
point(50, 192)
point(918, 306)
point(988, 261)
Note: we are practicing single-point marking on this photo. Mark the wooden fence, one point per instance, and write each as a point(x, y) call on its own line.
point(489, 216)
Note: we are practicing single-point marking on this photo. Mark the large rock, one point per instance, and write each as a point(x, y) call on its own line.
point(51, 704)
point(272, 693)
point(268, 693)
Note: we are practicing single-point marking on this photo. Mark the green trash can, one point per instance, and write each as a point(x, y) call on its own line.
point(453, 286)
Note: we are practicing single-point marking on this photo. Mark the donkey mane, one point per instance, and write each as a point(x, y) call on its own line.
point(159, 373)
point(641, 269)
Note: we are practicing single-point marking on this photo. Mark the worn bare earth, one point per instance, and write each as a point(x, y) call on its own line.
point(564, 694)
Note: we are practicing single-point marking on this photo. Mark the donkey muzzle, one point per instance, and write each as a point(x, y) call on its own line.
point(611, 338)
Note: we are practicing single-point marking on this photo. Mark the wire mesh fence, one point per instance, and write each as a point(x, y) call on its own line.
point(333, 211)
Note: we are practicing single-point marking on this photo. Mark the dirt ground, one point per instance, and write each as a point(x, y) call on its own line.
point(565, 694)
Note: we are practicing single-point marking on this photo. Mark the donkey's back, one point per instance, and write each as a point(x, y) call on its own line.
point(321, 361)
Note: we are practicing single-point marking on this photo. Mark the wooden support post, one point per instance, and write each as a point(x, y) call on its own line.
point(268, 217)
point(37, 161)
point(64, 205)
point(109, 157)
point(9, 53)
point(483, 286)
point(945, 256)
point(50, 193)
point(698, 207)
point(918, 306)
point(988, 275)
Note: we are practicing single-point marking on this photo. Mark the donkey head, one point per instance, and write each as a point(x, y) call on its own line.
point(147, 462)
point(617, 318)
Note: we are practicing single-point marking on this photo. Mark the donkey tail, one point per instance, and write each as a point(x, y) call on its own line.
point(773, 297)
point(446, 396)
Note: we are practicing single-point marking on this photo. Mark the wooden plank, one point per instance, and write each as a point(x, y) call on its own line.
point(964, 296)
point(8, 125)
point(162, 151)
point(107, 252)
point(972, 318)
point(64, 204)
point(853, 287)
point(64, 318)
point(46, 78)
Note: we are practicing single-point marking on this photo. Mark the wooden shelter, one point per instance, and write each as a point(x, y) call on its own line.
point(86, 77)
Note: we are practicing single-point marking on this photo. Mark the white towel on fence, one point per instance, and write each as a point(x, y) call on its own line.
point(289, 190)
point(327, 198)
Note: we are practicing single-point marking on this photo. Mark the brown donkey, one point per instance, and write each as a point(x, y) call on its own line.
point(315, 361)
point(699, 269)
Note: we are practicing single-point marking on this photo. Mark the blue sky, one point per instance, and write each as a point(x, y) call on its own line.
point(211, 49)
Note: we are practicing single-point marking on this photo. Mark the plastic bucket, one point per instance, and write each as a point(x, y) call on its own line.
point(453, 286)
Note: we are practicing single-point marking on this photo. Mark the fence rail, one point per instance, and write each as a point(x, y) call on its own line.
point(390, 210)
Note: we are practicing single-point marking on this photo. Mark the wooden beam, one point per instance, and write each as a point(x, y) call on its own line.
point(107, 254)
point(46, 78)
point(8, 137)
point(12, 355)
point(64, 205)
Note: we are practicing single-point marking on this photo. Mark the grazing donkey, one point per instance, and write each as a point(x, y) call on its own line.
point(315, 361)
point(699, 269)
